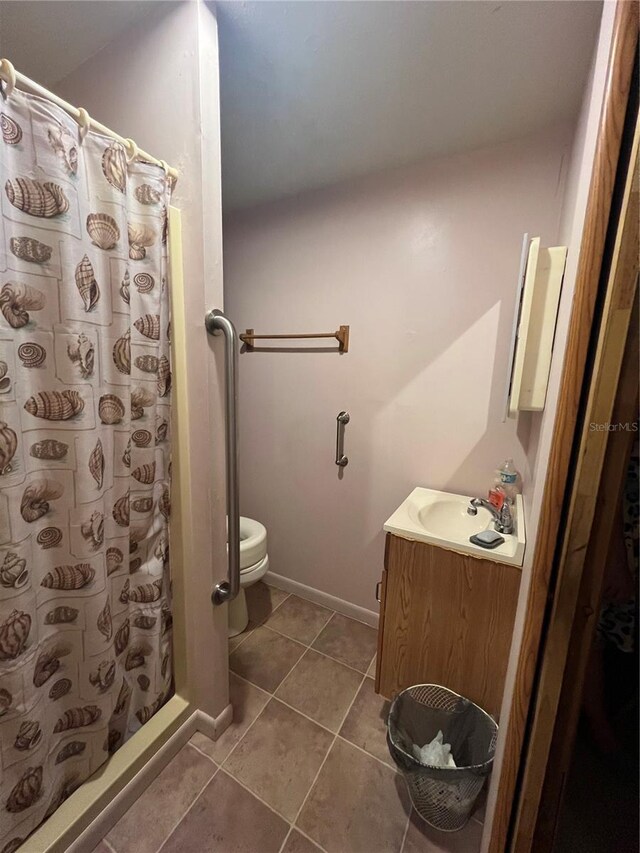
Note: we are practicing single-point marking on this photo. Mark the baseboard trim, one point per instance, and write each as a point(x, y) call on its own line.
point(213, 726)
point(124, 799)
point(353, 611)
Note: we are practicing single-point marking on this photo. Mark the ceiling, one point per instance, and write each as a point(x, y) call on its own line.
point(318, 92)
point(47, 40)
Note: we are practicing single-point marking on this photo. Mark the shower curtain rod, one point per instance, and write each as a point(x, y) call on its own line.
point(11, 77)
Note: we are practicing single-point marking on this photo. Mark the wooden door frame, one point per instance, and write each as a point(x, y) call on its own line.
point(580, 521)
point(587, 608)
point(611, 125)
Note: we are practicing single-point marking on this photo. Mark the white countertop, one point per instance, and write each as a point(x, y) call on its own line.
point(441, 518)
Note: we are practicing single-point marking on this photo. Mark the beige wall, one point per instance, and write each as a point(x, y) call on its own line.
point(422, 263)
point(148, 85)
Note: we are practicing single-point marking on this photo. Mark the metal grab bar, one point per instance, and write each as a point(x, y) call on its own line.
point(216, 323)
point(342, 419)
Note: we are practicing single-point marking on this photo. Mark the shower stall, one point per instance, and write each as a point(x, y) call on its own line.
point(113, 513)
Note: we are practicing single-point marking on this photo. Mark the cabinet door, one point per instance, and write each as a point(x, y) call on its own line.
point(383, 589)
point(448, 619)
point(382, 600)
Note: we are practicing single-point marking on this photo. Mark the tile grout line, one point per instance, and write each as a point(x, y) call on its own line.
point(293, 828)
point(263, 623)
point(282, 634)
point(264, 689)
point(333, 734)
point(259, 624)
point(236, 647)
point(337, 612)
point(308, 648)
point(324, 607)
point(251, 684)
point(352, 668)
point(273, 631)
point(329, 731)
point(276, 608)
point(285, 839)
point(191, 805)
point(188, 743)
point(256, 796)
point(324, 760)
point(306, 716)
point(309, 645)
point(271, 695)
point(286, 595)
point(336, 735)
point(370, 754)
point(197, 748)
point(406, 830)
point(333, 613)
point(247, 730)
point(308, 837)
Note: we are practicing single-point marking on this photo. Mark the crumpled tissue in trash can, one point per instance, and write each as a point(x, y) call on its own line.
point(435, 754)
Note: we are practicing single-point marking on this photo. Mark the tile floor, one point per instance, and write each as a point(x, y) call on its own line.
point(304, 766)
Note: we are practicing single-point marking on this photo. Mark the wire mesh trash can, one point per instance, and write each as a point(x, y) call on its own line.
point(443, 796)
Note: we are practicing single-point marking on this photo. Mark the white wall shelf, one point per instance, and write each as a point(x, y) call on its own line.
point(539, 286)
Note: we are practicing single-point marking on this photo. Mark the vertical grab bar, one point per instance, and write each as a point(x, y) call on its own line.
point(216, 323)
point(342, 419)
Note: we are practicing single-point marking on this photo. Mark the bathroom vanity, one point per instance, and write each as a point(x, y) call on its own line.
point(446, 608)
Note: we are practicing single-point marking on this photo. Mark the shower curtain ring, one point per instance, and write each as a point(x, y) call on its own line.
point(84, 122)
point(8, 74)
point(168, 178)
point(134, 151)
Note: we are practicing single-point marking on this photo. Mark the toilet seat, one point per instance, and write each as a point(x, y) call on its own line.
point(254, 573)
point(254, 564)
point(253, 543)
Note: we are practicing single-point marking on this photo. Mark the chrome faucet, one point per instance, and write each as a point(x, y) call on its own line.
point(503, 520)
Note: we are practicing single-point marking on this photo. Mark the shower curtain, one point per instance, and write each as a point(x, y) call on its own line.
point(85, 611)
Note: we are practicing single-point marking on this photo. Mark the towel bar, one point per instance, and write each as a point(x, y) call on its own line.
point(342, 336)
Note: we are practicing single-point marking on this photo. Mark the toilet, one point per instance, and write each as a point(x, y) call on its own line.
point(254, 563)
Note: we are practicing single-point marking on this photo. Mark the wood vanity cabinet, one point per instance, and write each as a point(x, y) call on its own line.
point(445, 618)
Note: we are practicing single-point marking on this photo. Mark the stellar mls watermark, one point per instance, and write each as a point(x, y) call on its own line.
point(629, 426)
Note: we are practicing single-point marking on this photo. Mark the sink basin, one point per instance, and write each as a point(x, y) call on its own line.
point(441, 518)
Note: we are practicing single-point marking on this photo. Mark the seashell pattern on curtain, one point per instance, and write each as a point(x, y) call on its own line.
point(85, 392)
